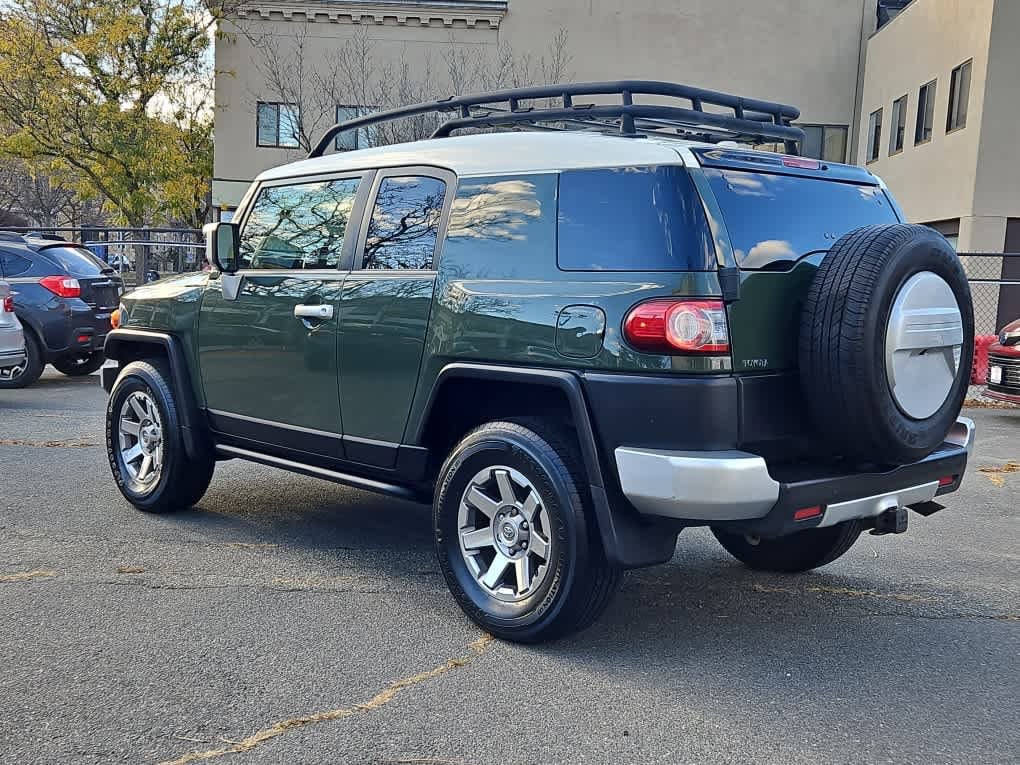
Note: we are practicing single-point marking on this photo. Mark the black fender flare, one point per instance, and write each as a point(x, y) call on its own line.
point(629, 540)
point(123, 346)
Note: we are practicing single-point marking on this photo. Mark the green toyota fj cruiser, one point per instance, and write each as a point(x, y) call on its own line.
point(575, 338)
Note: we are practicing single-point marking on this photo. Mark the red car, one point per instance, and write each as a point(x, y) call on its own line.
point(1004, 365)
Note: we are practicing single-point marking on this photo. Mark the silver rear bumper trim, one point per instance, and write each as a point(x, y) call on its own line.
point(869, 507)
point(712, 486)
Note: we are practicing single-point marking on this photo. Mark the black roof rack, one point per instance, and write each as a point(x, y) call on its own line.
point(745, 120)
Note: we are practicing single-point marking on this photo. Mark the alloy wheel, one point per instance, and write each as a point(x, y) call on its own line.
point(504, 533)
point(140, 437)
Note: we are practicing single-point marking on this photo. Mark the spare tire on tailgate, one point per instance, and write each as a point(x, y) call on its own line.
point(886, 341)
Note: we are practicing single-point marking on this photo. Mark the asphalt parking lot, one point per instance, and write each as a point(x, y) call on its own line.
point(287, 620)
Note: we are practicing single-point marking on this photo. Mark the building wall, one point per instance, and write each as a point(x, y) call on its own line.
point(808, 54)
point(966, 179)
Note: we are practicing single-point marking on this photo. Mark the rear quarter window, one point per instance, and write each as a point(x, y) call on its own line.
point(12, 264)
point(775, 219)
point(632, 219)
point(77, 261)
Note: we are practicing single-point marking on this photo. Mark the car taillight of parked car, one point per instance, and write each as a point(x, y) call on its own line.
point(678, 326)
point(62, 286)
point(9, 304)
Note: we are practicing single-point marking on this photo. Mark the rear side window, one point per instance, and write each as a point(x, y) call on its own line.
point(405, 224)
point(12, 265)
point(777, 219)
point(632, 219)
point(77, 261)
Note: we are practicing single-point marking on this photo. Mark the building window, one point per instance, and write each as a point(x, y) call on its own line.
point(351, 140)
point(898, 126)
point(959, 95)
point(278, 125)
point(925, 113)
point(874, 135)
point(826, 142)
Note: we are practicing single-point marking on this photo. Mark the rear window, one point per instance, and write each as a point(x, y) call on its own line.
point(774, 219)
point(76, 260)
point(632, 219)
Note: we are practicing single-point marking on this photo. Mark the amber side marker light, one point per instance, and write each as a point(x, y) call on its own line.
point(115, 319)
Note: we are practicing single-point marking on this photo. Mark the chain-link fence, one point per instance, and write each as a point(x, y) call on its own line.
point(139, 254)
point(995, 287)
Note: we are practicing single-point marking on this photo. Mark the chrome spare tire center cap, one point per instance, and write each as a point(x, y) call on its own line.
point(923, 345)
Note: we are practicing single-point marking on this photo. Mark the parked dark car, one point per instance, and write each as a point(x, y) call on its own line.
point(1004, 365)
point(63, 296)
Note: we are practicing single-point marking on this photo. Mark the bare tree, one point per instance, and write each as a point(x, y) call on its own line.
point(29, 192)
point(354, 75)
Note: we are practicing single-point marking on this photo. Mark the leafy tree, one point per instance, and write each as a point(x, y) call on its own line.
point(87, 86)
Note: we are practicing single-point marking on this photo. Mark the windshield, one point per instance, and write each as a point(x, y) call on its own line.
point(776, 219)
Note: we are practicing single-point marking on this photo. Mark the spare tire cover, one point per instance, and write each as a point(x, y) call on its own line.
point(886, 343)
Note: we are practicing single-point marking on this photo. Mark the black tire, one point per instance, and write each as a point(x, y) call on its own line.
point(843, 338)
point(791, 554)
point(183, 479)
point(79, 366)
point(579, 583)
point(27, 374)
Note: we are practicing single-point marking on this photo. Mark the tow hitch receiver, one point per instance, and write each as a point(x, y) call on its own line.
point(892, 521)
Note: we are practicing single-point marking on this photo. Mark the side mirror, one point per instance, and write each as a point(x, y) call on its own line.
point(222, 245)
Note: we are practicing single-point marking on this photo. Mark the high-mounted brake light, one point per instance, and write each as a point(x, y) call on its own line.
point(802, 162)
point(678, 326)
point(62, 286)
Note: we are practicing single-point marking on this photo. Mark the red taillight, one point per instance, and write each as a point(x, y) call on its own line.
point(678, 326)
point(806, 513)
point(9, 304)
point(946, 480)
point(62, 286)
point(802, 163)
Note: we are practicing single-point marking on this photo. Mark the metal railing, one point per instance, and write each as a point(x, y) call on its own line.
point(139, 254)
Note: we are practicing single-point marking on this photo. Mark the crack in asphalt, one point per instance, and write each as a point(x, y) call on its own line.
point(23, 576)
point(820, 588)
point(382, 698)
point(74, 443)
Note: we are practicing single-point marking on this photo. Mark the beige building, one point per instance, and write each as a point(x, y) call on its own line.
point(285, 67)
point(939, 118)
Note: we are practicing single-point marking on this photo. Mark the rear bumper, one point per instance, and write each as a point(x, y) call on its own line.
point(738, 488)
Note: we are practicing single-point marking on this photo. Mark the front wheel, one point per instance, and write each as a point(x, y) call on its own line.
point(794, 553)
point(144, 445)
point(515, 536)
point(79, 366)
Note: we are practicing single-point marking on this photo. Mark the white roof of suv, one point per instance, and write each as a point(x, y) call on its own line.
point(501, 153)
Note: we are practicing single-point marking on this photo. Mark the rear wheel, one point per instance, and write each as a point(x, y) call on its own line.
point(29, 370)
point(78, 366)
point(791, 554)
point(514, 533)
point(144, 445)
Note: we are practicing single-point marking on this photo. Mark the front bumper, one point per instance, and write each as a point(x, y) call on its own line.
point(12, 358)
point(12, 346)
point(736, 487)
